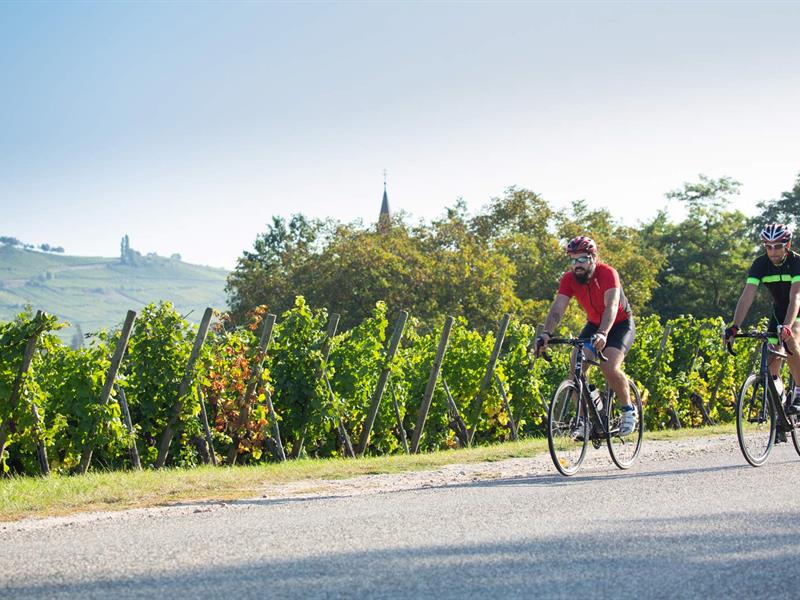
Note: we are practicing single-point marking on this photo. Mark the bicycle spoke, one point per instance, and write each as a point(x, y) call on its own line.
point(624, 449)
point(755, 422)
point(566, 452)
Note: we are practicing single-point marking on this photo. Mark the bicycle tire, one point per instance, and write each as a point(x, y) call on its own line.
point(624, 450)
point(755, 421)
point(794, 419)
point(562, 417)
point(795, 433)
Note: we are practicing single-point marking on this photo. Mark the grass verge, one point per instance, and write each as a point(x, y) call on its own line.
point(22, 497)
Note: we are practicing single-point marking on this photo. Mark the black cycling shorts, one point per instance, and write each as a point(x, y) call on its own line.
point(620, 336)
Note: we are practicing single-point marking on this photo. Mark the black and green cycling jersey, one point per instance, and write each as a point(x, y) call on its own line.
point(778, 279)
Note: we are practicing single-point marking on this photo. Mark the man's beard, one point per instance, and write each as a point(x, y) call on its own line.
point(582, 277)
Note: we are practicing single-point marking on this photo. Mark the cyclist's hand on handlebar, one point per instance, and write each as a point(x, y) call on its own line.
point(541, 343)
point(784, 332)
point(730, 333)
point(599, 341)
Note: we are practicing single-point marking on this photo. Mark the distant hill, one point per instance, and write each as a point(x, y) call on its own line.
point(94, 293)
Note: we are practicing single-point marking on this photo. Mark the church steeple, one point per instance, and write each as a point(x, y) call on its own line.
point(385, 218)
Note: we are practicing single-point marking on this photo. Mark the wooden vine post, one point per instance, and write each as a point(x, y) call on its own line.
point(383, 378)
point(486, 383)
point(126, 413)
point(116, 361)
point(674, 420)
point(244, 401)
point(212, 456)
point(427, 397)
point(401, 429)
point(16, 392)
point(333, 324)
point(456, 422)
point(512, 424)
point(169, 430)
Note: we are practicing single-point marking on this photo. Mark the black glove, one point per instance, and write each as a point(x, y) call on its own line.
point(730, 333)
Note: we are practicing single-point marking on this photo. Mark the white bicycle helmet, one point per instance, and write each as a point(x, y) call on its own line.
point(776, 232)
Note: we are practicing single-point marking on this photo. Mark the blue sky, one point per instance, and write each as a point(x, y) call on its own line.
point(188, 125)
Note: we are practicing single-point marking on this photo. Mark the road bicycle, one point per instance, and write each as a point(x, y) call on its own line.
point(761, 409)
point(572, 401)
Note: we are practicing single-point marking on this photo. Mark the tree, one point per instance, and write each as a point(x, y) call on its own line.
point(267, 274)
point(785, 209)
point(359, 267)
point(708, 253)
point(469, 277)
point(522, 227)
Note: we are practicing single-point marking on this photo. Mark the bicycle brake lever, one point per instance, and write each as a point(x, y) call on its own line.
point(601, 356)
point(729, 347)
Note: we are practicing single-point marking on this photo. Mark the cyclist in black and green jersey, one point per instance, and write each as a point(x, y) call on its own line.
point(779, 271)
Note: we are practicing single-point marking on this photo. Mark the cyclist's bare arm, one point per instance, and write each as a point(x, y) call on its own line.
point(744, 303)
point(556, 312)
point(611, 298)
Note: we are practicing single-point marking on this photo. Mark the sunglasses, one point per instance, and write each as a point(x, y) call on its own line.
point(580, 260)
point(774, 246)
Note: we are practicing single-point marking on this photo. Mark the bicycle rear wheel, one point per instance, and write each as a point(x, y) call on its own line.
point(755, 421)
point(795, 419)
point(562, 418)
point(625, 450)
point(795, 433)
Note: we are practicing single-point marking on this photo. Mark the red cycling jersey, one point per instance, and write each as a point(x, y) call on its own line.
point(591, 295)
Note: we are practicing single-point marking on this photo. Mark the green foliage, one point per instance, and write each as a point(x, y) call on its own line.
point(19, 392)
point(301, 399)
point(357, 358)
point(72, 381)
point(158, 353)
point(225, 370)
point(678, 375)
point(269, 274)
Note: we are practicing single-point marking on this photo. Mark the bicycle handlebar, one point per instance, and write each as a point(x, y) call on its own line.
point(572, 342)
point(753, 335)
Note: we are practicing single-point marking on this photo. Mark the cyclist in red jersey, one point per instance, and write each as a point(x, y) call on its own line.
point(598, 290)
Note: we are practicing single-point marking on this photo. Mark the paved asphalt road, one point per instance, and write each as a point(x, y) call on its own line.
point(702, 525)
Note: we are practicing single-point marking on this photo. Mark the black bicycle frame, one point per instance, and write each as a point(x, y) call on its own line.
point(600, 420)
point(773, 397)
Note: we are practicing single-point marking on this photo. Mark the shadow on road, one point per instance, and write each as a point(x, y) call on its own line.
point(654, 558)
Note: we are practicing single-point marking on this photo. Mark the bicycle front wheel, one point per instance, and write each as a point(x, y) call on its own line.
point(624, 449)
point(567, 452)
point(755, 421)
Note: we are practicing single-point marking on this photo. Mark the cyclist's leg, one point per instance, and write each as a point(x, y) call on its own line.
point(612, 370)
point(793, 345)
point(793, 359)
point(774, 363)
point(620, 339)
